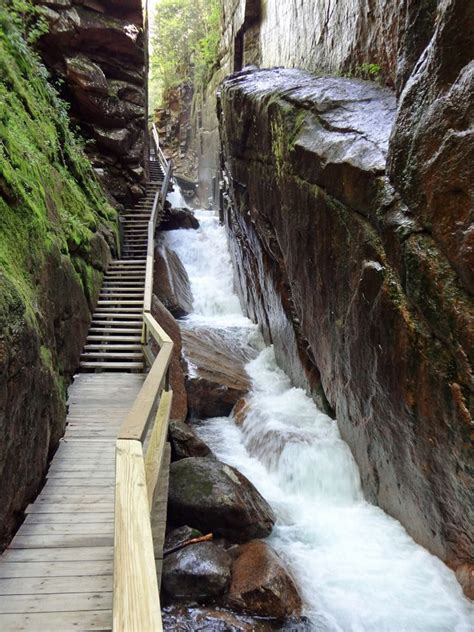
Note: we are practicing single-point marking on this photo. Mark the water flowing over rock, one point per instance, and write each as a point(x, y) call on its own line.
point(214, 497)
point(216, 374)
point(198, 571)
point(261, 585)
point(364, 307)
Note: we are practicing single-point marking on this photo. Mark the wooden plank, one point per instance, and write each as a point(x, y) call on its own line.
point(78, 485)
point(134, 565)
point(47, 497)
point(94, 553)
point(93, 620)
point(62, 518)
point(60, 541)
point(135, 425)
point(77, 528)
point(156, 331)
point(157, 441)
point(55, 585)
point(70, 507)
point(56, 569)
point(56, 603)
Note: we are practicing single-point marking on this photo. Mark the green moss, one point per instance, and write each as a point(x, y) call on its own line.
point(50, 201)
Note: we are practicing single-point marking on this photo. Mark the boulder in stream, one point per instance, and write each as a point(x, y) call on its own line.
point(171, 282)
point(185, 442)
point(261, 585)
point(179, 218)
point(216, 371)
point(215, 497)
point(199, 571)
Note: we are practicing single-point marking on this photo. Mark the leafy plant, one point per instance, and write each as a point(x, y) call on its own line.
point(369, 71)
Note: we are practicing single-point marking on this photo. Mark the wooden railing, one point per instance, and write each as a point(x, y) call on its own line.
point(136, 599)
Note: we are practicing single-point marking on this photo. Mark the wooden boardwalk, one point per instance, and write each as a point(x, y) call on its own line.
point(57, 573)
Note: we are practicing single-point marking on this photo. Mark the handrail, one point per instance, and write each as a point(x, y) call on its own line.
point(136, 597)
point(159, 152)
point(157, 210)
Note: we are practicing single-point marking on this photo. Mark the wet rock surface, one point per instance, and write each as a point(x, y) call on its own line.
point(261, 584)
point(214, 497)
point(365, 306)
point(97, 49)
point(171, 282)
point(185, 442)
point(196, 572)
point(216, 376)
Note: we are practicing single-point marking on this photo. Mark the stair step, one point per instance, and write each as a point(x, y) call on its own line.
point(120, 339)
point(110, 330)
point(117, 366)
point(120, 322)
point(114, 295)
point(103, 355)
point(118, 301)
point(111, 346)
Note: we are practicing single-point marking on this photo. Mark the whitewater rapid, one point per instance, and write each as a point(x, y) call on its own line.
point(357, 568)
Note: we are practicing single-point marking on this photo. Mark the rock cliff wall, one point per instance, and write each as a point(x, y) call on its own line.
point(358, 283)
point(97, 49)
point(56, 234)
point(377, 39)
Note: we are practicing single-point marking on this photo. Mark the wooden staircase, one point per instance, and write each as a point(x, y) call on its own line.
point(114, 339)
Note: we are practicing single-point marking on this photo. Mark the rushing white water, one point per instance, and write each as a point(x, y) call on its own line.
point(357, 569)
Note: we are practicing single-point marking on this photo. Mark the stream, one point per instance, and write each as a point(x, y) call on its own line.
point(356, 567)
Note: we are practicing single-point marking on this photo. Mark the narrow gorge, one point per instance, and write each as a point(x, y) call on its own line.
point(236, 315)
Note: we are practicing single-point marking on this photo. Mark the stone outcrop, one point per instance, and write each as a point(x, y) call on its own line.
point(216, 376)
point(176, 218)
point(197, 572)
point(217, 498)
point(261, 585)
point(98, 50)
point(171, 282)
point(361, 291)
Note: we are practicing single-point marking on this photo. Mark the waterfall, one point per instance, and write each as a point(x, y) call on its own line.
point(356, 567)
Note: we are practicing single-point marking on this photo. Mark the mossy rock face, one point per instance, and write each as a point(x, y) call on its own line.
point(56, 228)
point(217, 498)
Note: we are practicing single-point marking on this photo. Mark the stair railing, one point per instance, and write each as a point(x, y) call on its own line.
point(136, 597)
point(159, 152)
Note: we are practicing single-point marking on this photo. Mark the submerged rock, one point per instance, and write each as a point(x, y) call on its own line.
point(185, 442)
point(217, 498)
point(171, 282)
point(261, 585)
point(198, 571)
point(216, 372)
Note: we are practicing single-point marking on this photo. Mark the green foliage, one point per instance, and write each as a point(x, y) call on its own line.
point(369, 71)
point(28, 18)
point(185, 44)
